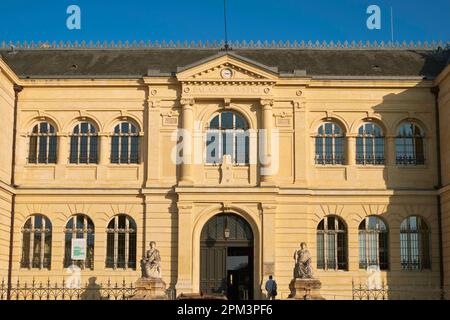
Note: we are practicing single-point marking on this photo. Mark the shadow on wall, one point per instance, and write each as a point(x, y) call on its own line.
point(405, 232)
point(400, 235)
point(92, 290)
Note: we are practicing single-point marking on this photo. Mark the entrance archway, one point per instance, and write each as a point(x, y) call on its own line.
point(227, 257)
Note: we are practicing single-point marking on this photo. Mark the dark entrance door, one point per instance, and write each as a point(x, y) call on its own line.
point(226, 257)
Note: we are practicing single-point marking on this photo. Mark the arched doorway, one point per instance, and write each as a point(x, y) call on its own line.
point(226, 257)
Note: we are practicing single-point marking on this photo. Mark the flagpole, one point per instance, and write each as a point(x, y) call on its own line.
point(225, 23)
point(392, 26)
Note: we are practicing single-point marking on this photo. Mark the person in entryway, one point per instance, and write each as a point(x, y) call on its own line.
point(271, 287)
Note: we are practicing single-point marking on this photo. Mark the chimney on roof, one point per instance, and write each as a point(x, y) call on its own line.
point(153, 72)
point(299, 73)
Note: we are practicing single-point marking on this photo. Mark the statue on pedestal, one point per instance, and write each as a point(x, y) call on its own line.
point(151, 286)
point(304, 286)
point(151, 264)
point(303, 268)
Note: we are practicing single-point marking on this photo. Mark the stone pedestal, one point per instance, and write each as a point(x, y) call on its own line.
point(150, 289)
point(307, 289)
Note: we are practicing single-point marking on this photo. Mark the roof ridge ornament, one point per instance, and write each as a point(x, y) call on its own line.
point(225, 45)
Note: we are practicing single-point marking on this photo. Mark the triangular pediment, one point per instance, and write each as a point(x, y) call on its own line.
point(227, 68)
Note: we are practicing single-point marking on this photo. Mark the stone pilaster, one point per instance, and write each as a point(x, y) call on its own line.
point(185, 254)
point(268, 239)
point(390, 151)
point(105, 149)
point(301, 142)
point(153, 150)
point(63, 149)
point(350, 150)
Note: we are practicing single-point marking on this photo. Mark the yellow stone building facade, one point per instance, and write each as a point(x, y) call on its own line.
point(353, 165)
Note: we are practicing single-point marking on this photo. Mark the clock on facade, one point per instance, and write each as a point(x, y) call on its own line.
point(226, 73)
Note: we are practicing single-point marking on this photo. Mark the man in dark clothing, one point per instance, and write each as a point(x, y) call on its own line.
point(271, 287)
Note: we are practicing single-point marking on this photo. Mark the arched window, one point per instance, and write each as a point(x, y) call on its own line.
point(84, 144)
point(409, 145)
point(373, 243)
point(227, 134)
point(36, 243)
point(79, 226)
point(370, 144)
point(329, 144)
point(125, 144)
point(414, 244)
point(121, 243)
point(331, 244)
point(43, 143)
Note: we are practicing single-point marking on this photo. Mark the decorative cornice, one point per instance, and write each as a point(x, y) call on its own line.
point(220, 44)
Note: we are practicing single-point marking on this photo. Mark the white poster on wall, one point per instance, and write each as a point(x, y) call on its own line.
point(78, 249)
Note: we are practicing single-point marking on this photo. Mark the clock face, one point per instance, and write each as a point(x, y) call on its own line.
point(226, 73)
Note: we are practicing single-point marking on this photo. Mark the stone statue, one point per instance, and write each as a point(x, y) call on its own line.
point(303, 268)
point(151, 264)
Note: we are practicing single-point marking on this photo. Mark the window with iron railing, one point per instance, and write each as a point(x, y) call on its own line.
point(330, 142)
point(36, 243)
point(370, 145)
point(125, 144)
point(414, 244)
point(121, 243)
point(409, 145)
point(373, 243)
point(331, 244)
point(42, 144)
point(79, 226)
point(84, 144)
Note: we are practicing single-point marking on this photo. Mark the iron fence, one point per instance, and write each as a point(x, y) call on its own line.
point(54, 291)
point(402, 292)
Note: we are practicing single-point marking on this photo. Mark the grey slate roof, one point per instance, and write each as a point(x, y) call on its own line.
point(108, 63)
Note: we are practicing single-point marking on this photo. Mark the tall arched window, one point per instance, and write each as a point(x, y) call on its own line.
point(370, 144)
point(331, 244)
point(373, 243)
point(409, 145)
point(125, 144)
point(121, 243)
point(79, 226)
point(227, 134)
point(414, 244)
point(43, 144)
point(330, 144)
point(36, 243)
point(84, 144)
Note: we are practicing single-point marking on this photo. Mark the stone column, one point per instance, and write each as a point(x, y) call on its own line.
point(185, 254)
point(267, 115)
point(187, 109)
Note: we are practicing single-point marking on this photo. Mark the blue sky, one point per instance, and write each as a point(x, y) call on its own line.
point(41, 20)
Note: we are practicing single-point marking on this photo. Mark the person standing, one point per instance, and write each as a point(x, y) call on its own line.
point(271, 288)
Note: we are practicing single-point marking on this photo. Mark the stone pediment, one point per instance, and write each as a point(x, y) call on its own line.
point(227, 68)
